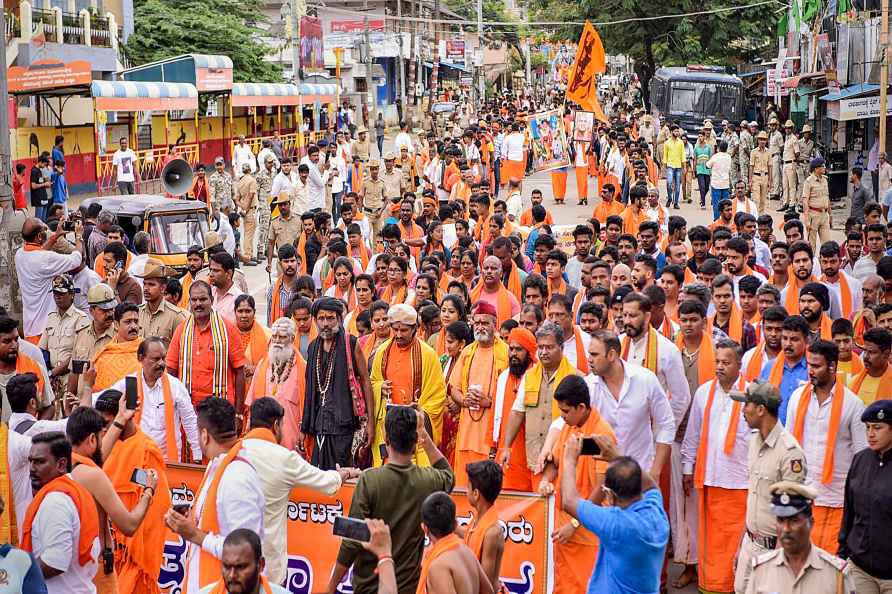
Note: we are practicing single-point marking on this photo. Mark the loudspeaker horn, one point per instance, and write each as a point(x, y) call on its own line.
point(176, 177)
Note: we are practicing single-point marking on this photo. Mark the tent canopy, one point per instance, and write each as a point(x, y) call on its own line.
point(122, 95)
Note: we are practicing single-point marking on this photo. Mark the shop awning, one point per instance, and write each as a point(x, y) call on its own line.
point(793, 82)
point(323, 93)
point(122, 95)
point(851, 92)
point(456, 67)
point(257, 94)
point(208, 73)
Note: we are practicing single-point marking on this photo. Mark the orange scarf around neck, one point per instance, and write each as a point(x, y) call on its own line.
point(705, 356)
point(581, 355)
point(114, 361)
point(884, 389)
point(730, 433)
point(169, 425)
point(444, 545)
point(735, 323)
point(257, 343)
point(503, 303)
point(791, 301)
point(838, 397)
point(86, 511)
point(845, 294)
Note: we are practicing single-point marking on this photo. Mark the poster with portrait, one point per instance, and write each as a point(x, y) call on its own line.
point(583, 126)
point(312, 54)
point(548, 140)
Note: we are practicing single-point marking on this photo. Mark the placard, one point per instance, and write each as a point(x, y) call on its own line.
point(583, 126)
point(548, 140)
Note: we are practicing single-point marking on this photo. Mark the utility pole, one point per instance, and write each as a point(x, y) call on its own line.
point(11, 225)
point(884, 72)
point(481, 80)
point(399, 32)
point(433, 83)
point(368, 74)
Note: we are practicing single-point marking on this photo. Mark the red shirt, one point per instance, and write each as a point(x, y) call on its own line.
point(18, 191)
point(203, 362)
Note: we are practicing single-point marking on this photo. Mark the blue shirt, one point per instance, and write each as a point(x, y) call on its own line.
point(58, 156)
point(633, 543)
point(60, 188)
point(21, 571)
point(792, 378)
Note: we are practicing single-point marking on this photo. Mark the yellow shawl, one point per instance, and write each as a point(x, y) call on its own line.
point(532, 382)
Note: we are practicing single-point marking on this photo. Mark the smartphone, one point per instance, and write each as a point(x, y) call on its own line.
point(352, 529)
point(183, 508)
point(382, 449)
point(119, 265)
point(140, 477)
point(130, 392)
point(590, 447)
point(78, 366)
point(68, 226)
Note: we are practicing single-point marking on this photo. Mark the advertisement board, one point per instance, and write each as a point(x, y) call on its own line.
point(312, 56)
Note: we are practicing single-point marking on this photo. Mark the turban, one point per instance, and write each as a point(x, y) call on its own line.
point(524, 338)
point(284, 326)
point(819, 292)
point(402, 313)
point(485, 308)
point(328, 304)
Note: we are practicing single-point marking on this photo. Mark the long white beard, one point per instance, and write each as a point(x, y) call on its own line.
point(280, 355)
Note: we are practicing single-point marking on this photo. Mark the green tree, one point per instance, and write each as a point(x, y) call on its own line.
point(723, 39)
point(167, 28)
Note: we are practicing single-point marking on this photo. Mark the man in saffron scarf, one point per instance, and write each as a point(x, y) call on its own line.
point(449, 565)
point(521, 354)
point(789, 370)
point(280, 375)
point(406, 371)
point(874, 381)
point(512, 276)
point(474, 389)
point(575, 548)
point(769, 347)
point(243, 562)
point(484, 535)
point(728, 318)
point(284, 289)
point(802, 265)
point(117, 358)
point(560, 311)
point(814, 301)
point(829, 439)
point(139, 553)
point(714, 461)
point(845, 287)
point(491, 290)
point(216, 512)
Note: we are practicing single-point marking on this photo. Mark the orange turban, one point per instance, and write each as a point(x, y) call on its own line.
point(524, 338)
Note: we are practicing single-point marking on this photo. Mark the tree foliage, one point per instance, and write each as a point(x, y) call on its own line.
point(721, 39)
point(167, 28)
point(493, 10)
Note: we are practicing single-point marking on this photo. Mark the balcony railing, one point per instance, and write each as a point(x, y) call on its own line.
point(13, 26)
point(83, 28)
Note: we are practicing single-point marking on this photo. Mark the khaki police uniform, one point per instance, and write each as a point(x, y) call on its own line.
point(393, 184)
point(264, 181)
point(162, 322)
point(747, 143)
point(791, 165)
point(374, 203)
point(822, 573)
point(87, 342)
point(282, 231)
point(760, 171)
point(361, 148)
point(776, 147)
point(58, 340)
point(816, 208)
point(806, 154)
point(777, 458)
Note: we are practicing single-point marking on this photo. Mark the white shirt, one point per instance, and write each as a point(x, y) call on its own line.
point(263, 154)
point(152, 421)
point(283, 183)
point(18, 448)
point(747, 206)
point(227, 235)
point(36, 270)
point(55, 533)
point(864, 267)
point(403, 140)
point(851, 438)
point(670, 371)
point(280, 470)
point(241, 155)
point(125, 161)
point(337, 163)
point(720, 171)
point(137, 267)
point(316, 187)
point(642, 405)
point(570, 347)
point(83, 282)
point(515, 206)
point(573, 269)
point(244, 511)
point(727, 471)
point(653, 214)
point(39, 426)
point(884, 173)
point(854, 291)
point(512, 147)
point(364, 226)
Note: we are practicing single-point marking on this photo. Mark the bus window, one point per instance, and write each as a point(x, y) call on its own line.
point(684, 98)
point(730, 96)
point(659, 94)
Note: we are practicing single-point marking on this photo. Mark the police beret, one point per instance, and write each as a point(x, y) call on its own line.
point(880, 411)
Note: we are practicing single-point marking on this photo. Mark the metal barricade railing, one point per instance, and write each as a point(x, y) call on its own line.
point(149, 164)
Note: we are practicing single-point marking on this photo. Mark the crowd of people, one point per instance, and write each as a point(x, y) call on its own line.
point(714, 396)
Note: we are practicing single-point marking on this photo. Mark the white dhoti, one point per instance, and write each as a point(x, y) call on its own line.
point(682, 514)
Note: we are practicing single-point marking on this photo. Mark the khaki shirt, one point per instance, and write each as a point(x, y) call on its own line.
point(822, 573)
point(393, 184)
point(264, 181)
point(806, 150)
point(282, 230)
point(246, 192)
point(59, 334)
point(87, 343)
point(778, 458)
point(361, 149)
point(760, 160)
point(816, 192)
point(775, 142)
point(791, 148)
point(162, 322)
point(405, 167)
point(373, 194)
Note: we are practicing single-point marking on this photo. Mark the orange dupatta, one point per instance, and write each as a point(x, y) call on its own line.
point(705, 356)
point(650, 353)
point(86, 511)
point(503, 306)
point(560, 288)
point(121, 361)
point(730, 434)
point(735, 323)
point(475, 534)
point(514, 285)
point(276, 310)
point(257, 343)
point(581, 355)
point(444, 545)
point(885, 388)
point(25, 364)
point(791, 301)
point(169, 437)
point(835, 416)
point(845, 295)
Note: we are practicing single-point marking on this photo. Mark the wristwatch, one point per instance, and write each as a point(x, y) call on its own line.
point(574, 522)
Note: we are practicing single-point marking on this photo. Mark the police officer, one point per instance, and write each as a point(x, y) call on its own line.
point(392, 178)
point(806, 154)
point(790, 157)
point(157, 316)
point(730, 136)
point(774, 455)
point(747, 144)
point(59, 333)
point(373, 199)
point(264, 179)
point(775, 147)
point(221, 188)
point(92, 335)
point(865, 537)
point(798, 566)
point(283, 229)
point(816, 203)
point(761, 172)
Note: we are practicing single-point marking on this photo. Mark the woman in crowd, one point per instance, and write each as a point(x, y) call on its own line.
point(343, 288)
point(458, 335)
point(397, 289)
point(452, 309)
point(364, 288)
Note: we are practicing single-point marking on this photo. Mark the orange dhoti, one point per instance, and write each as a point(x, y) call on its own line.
point(825, 532)
point(512, 169)
point(518, 476)
point(720, 525)
point(559, 183)
point(582, 182)
point(462, 459)
point(574, 563)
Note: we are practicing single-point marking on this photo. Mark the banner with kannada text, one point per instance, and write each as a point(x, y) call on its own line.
point(313, 550)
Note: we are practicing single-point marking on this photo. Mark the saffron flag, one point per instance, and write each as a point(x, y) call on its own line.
point(582, 84)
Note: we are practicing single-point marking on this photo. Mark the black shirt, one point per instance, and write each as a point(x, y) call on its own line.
point(39, 196)
point(313, 248)
point(867, 514)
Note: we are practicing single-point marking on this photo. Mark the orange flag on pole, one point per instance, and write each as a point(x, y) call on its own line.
point(582, 84)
